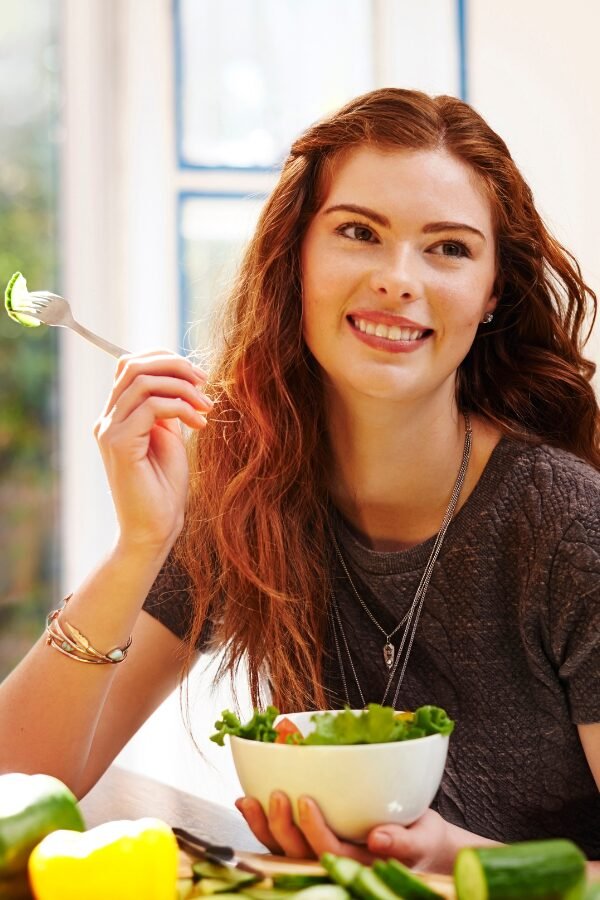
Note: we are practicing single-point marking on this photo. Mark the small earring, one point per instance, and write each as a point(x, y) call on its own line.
point(487, 318)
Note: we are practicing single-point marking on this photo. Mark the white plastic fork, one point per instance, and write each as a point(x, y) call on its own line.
point(51, 309)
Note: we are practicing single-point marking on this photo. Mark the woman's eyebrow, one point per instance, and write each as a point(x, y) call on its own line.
point(360, 211)
point(451, 226)
point(385, 222)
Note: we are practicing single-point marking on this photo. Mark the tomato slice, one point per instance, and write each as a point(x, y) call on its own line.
point(284, 728)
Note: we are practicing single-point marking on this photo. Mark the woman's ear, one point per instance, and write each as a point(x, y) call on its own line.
point(488, 313)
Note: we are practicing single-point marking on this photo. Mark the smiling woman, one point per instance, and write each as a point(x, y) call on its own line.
point(391, 493)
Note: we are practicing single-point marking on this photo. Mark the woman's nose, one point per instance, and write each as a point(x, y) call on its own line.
point(397, 276)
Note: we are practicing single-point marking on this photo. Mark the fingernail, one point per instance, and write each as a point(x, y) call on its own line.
point(303, 807)
point(204, 398)
point(275, 803)
point(380, 841)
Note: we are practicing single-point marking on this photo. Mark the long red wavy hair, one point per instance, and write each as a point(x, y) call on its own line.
point(255, 535)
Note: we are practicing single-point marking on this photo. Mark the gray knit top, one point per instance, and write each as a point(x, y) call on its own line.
point(508, 642)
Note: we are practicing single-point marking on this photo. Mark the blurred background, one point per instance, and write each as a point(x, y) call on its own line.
point(138, 140)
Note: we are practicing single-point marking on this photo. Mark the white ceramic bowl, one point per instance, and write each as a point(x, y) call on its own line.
point(356, 786)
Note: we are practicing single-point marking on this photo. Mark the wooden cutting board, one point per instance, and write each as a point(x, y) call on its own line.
point(273, 865)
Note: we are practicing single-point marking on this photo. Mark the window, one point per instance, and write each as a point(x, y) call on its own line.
point(249, 77)
point(29, 99)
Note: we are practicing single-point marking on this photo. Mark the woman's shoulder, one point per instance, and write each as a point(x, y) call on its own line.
point(558, 476)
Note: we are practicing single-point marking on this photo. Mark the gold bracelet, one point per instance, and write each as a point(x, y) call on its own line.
point(75, 644)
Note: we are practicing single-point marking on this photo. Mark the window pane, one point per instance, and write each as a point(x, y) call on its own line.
point(253, 74)
point(213, 233)
point(28, 364)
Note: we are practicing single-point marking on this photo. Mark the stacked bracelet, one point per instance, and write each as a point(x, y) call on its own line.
point(69, 641)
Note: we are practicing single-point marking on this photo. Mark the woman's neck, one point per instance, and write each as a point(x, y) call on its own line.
point(395, 467)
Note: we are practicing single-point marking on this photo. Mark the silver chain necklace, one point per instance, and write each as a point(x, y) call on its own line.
point(391, 659)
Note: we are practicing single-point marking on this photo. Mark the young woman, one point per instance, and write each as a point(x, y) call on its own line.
point(392, 496)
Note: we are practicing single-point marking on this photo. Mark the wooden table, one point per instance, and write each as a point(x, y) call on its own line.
point(126, 795)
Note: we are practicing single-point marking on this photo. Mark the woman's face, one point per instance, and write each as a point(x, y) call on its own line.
point(398, 267)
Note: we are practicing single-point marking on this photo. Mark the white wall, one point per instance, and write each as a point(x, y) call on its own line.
point(533, 74)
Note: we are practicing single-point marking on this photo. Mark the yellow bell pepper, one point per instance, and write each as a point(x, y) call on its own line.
point(124, 860)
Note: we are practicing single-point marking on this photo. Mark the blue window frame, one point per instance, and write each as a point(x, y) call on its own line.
point(249, 75)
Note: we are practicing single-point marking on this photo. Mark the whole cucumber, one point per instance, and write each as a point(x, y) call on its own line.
point(537, 870)
point(32, 806)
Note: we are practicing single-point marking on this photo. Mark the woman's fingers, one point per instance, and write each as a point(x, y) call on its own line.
point(153, 411)
point(158, 363)
point(321, 838)
point(256, 819)
point(425, 844)
point(277, 831)
point(146, 386)
point(283, 828)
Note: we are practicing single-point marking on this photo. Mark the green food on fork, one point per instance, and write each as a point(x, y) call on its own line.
point(17, 297)
point(34, 308)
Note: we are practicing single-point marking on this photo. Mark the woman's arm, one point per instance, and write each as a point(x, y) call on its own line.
point(54, 711)
point(58, 715)
point(589, 736)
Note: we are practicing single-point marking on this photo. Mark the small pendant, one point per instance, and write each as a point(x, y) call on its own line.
point(388, 654)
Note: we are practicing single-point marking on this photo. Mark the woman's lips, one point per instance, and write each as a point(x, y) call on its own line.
point(402, 337)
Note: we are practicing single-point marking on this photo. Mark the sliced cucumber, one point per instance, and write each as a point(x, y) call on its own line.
point(296, 882)
point(536, 870)
point(257, 893)
point(402, 881)
point(207, 886)
point(369, 886)
point(342, 869)
point(184, 888)
point(234, 877)
point(222, 895)
point(16, 295)
point(323, 892)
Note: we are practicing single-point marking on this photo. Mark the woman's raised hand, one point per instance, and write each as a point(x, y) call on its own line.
point(142, 446)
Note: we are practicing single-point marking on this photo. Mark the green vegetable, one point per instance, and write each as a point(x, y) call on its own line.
point(295, 882)
point(259, 728)
point(184, 888)
point(342, 869)
point(257, 893)
point(536, 870)
point(369, 886)
point(323, 892)
point(402, 881)
point(31, 806)
point(233, 876)
point(16, 295)
point(375, 725)
point(208, 886)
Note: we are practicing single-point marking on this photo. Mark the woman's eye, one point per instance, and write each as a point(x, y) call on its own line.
point(453, 249)
point(357, 232)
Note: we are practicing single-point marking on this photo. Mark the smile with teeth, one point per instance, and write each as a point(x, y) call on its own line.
point(390, 332)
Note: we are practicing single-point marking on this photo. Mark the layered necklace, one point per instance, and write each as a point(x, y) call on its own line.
point(391, 659)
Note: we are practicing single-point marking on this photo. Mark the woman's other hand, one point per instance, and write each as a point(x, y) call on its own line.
point(142, 446)
point(428, 844)
point(280, 834)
